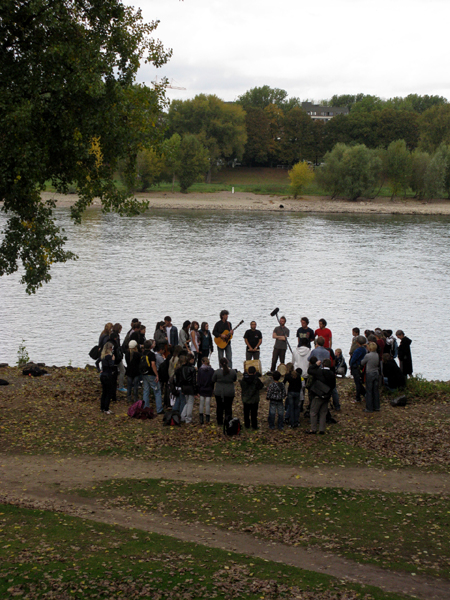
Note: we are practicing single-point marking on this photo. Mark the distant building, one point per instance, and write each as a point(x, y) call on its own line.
point(323, 113)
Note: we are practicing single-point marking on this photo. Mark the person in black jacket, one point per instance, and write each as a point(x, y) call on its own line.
point(392, 374)
point(205, 343)
point(107, 377)
point(404, 353)
point(133, 358)
point(251, 384)
point(319, 401)
point(188, 387)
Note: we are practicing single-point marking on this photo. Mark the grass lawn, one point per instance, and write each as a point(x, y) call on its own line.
point(395, 531)
point(46, 555)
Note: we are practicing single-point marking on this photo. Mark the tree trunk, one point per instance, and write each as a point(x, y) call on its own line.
point(173, 182)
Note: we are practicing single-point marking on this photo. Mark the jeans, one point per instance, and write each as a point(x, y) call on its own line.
point(335, 397)
point(274, 408)
point(205, 405)
point(293, 402)
point(150, 382)
point(133, 383)
point(224, 408)
point(372, 393)
point(251, 414)
point(180, 403)
point(278, 353)
point(227, 352)
point(360, 389)
point(186, 414)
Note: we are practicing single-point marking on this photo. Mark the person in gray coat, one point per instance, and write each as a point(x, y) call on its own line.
point(224, 390)
point(372, 362)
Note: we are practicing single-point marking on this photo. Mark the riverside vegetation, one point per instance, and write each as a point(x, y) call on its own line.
point(56, 417)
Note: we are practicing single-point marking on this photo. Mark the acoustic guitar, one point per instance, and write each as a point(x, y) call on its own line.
point(223, 343)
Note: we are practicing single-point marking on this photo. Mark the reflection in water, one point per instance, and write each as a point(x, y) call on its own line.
point(366, 271)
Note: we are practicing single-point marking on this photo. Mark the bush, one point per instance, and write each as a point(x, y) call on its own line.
point(300, 176)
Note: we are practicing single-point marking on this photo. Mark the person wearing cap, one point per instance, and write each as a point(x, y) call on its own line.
point(132, 358)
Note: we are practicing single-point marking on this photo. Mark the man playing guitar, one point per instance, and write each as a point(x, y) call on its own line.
point(218, 331)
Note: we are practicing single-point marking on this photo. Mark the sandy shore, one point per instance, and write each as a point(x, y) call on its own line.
point(254, 202)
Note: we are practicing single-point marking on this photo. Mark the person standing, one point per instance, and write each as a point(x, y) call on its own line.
point(355, 367)
point(194, 339)
point(160, 335)
point(372, 360)
point(150, 377)
point(107, 378)
point(188, 387)
point(133, 359)
point(251, 385)
point(171, 332)
point(205, 389)
point(404, 353)
point(320, 372)
point(300, 355)
point(324, 332)
point(219, 328)
point(184, 335)
point(224, 390)
point(205, 343)
point(253, 340)
point(305, 332)
point(280, 335)
point(276, 393)
point(294, 396)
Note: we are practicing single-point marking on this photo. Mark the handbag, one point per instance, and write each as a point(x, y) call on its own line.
point(320, 389)
point(95, 353)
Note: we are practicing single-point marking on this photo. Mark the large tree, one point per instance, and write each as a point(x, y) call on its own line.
point(219, 126)
point(68, 113)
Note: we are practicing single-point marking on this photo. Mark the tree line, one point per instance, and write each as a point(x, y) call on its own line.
point(265, 128)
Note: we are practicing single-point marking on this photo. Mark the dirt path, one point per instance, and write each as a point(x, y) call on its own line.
point(32, 472)
point(34, 481)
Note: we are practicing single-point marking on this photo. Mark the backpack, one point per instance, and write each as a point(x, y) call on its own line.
point(172, 418)
point(95, 352)
point(145, 365)
point(231, 426)
point(399, 401)
point(138, 411)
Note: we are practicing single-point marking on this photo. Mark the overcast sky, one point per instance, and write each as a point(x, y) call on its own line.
point(311, 49)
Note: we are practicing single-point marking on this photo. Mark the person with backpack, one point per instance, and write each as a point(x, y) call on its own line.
point(224, 390)
point(150, 379)
point(251, 385)
point(276, 393)
point(205, 389)
point(107, 380)
point(133, 359)
point(188, 382)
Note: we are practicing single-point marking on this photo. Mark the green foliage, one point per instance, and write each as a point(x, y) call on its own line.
point(261, 97)
point(297, 137)
point(194, 162)
point(349, 171)
point(434, 127)
point(22, 355)
point(435, 175)
point(69, 112)
point(398, 167)
point(258, 136)
point(219, 126)
point(419, 166)
point(300, 176)
point(171, 154)
point(149, 167)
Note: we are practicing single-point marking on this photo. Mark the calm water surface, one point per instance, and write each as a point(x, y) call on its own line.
point(366, 271)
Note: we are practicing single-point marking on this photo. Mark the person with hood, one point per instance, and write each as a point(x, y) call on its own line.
point(301, 354)
point(205, 389)
point(251, 384)
point(404, 353)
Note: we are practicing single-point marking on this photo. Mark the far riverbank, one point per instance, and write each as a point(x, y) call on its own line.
point(254, 202)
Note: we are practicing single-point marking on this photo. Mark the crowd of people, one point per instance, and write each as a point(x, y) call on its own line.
point(176, 366)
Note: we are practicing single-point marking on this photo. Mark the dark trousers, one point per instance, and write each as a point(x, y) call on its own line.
point(249, 355)
point(251, 413)
point(293, 405)
point(224, 408)
point(278, 353)
point(360, 389)
point(108, 391)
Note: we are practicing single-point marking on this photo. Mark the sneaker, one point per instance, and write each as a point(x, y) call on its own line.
point(122, 389)
point(108, 412)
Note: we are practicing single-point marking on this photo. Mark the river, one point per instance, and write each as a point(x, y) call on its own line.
point(354, 270)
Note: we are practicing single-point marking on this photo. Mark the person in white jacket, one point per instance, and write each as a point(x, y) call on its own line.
point(300, 355)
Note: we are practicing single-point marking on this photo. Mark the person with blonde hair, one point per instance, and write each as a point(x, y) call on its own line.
point(107, 378)
point(372, 360)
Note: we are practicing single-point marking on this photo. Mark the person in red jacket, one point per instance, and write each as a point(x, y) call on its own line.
point(325, 333)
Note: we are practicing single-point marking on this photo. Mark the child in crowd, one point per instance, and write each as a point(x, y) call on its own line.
point(276, 393)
